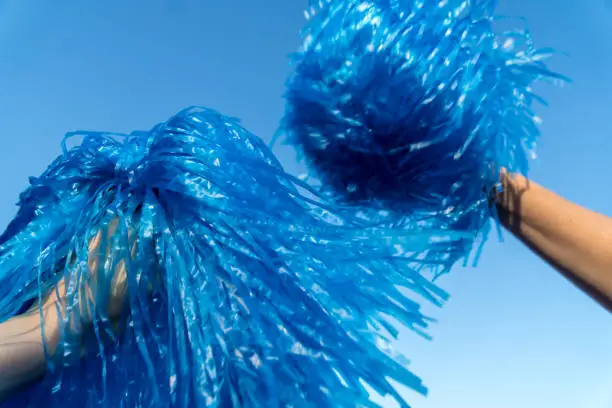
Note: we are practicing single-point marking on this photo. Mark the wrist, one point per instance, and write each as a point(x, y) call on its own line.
point(51, 320)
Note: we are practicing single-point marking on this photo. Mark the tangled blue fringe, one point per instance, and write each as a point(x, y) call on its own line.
point(414, 106)
point(246, 289)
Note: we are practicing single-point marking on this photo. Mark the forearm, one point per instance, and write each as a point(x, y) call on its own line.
point(575, 240)
point(22, 349)
point(22, 354)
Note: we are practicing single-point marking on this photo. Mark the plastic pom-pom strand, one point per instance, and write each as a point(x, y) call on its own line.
point(248, 288)
point(244, 291)
point(414, 105)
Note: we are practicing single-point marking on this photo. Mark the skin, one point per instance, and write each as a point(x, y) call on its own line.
point(574, 240)
point(22, 345)
point(22, 355)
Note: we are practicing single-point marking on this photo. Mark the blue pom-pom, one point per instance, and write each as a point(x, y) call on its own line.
point(414, 104)
point(244, 291)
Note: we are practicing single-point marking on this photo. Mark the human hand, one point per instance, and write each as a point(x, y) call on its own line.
point(81, 291)
point(507, 198)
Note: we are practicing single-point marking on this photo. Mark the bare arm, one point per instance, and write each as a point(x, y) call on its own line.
point(22, 354)
point(574, 240)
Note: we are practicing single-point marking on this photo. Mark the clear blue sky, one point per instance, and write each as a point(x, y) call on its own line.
point(514, 335)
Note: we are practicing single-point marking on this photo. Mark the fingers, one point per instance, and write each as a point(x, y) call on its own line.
point(90, 281)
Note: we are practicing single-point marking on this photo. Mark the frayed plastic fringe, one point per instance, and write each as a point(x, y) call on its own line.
point(246, 288)
point(414, 107)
